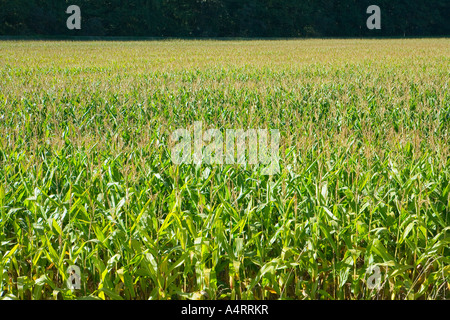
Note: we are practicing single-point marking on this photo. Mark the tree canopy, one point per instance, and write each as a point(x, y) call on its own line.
point(225, 18)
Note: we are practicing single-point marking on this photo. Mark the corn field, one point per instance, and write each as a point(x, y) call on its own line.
point(86, 176)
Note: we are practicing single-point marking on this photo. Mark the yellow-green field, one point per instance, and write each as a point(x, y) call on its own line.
point(86, 176)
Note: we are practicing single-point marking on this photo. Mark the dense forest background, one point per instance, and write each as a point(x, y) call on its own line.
point(225, 18)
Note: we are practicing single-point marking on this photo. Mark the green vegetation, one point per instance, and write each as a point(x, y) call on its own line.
point(225, 18)
point(86, 177)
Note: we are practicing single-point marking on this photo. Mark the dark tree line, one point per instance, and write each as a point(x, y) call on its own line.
point(226, 18)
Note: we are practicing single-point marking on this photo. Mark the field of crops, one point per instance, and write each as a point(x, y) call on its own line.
point(86, 176)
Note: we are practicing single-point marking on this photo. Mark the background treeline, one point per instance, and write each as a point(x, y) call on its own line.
point(226, 18)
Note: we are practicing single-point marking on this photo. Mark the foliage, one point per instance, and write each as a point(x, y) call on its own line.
point(86, 177)
point(225, 18)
